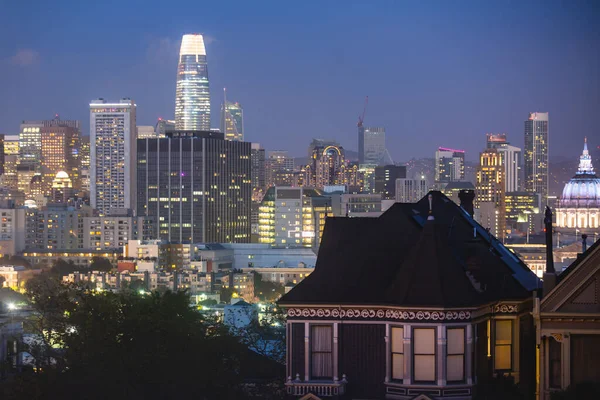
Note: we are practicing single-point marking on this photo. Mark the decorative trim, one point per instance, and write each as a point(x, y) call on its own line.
point(557, 336)
point(506, 308)
point(371, 313)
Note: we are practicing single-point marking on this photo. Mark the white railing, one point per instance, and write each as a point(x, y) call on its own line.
point(296, 387)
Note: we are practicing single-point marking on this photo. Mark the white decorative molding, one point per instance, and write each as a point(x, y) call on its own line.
point(398, 315)
point(506, 308)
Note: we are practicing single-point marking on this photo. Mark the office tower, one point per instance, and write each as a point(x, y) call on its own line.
point(195, 186)
point(232, 119)
point(11, 159)
point(279, 169)
point(490, 194)
point(327, 167)
point(84, 152)
point(452, 190)
point(145, 132)
point(410, 190)
point(293, 217)
point(521, 210)
point(511, 159)
point(192, 99)
point(60, 152)
point(449, 166)
point(257, 157)
point(30, 144)
point(1, 154)
point(385, 180)
point(371, 145)
point(163, 126)
point(112, 155)
point(535, 165)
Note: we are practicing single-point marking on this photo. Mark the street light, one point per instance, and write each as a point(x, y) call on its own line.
point(12, 306)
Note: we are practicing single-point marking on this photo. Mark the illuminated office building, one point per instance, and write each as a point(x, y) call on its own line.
point(279, 169)
point(30, 139)
point(195, 187)
point(535, 156)
point(11, 159)
point(293, 217)
point(522, 212)
point(511, 159)
point(385, 180)
point(163, 126)
point(145, 132)
point(192, 98)
point(410, 190)
point(232, 120)
point(449, 166)
point(60, 152)
point(490, 192)
point(371, 145)
point(112, 155)
point(327, 167)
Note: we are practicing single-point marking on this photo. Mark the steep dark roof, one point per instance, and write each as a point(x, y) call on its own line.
point(577, 262)
point(398, 259)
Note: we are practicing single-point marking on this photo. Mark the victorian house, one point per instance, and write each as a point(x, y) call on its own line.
point(421, 302)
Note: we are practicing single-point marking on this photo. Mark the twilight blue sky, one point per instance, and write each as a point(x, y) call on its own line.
point(437, 73)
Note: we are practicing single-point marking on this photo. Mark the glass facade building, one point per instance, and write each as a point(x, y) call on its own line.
point(195, 187)
point(536, 155)
point(192, 99)
point(232, 121)
point(371, 145)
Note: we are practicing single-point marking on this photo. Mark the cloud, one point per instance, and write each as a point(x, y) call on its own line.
point(25, 57)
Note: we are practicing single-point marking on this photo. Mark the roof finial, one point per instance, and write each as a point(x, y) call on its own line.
point(430, 218)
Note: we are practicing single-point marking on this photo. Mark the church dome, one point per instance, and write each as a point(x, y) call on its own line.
point(583, 190)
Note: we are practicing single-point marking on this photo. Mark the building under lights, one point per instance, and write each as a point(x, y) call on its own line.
point(535, 156)
point(579, 205)
point(522, 212)
point(192, 99)
point(326, 168)
point(511, 159)
point(195, 187)
point(112, 155)
point(293, 217)
point(371, 145)
point(490, 195)
point(449, 166)
point(232, 120)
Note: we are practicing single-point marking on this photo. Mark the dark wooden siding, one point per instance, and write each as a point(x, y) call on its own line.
point(362, 359)
point(297, 346)
point(527, 355)
point(585, 358)
point(483, 364)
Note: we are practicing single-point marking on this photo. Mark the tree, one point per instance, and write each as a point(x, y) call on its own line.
point(266, 290)
point(100, 264)
point(126, 346)
point(225, 294)
point(62, 268)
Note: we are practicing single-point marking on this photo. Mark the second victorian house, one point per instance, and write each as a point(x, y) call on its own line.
point(421, 302)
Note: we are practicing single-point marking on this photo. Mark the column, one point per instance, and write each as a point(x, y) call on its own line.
point(306, 351)
point(408, 353)
point(388, 352)
point(565, 360)
point(515, 348)
point(440, 355)
point(335, 353)
point(469, 355)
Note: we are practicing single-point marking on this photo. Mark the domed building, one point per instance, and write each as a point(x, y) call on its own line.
point(579, 205)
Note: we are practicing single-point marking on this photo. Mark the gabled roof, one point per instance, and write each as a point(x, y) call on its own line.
point(394, 260)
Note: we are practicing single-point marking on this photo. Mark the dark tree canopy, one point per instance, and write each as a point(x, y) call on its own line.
point(100, 264)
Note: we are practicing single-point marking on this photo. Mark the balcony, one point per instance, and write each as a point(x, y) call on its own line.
point(297, 387)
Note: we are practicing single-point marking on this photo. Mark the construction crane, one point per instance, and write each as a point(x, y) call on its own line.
point(361, 118)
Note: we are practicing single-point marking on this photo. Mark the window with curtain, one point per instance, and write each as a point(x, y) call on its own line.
point(503, 345)
point(397, 353)
point(321, 345)
point(424, 354)
point(455, 359)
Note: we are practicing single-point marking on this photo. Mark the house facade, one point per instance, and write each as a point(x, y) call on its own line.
point(421, 301)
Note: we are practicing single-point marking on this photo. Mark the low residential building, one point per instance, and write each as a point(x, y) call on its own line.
point(12, 230)
point(242, 283)
point(81, 258)
point(107, 232)
point(55, 227)
point(282, 276)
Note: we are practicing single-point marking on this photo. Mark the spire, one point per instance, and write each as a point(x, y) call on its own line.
point(585, 161)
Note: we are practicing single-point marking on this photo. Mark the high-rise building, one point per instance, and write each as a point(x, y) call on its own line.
point(163, 126)
point(11, 158)
point(257, 157)
point(30, 139)
point(327, 167)
point(371, 145)
point(385, 180)
point(1, 154)
point(535, 157)
point(410, 190)
point(511, 159)
point(195, 186)
point(522, 208)
point(232, 119)
point(112, 155)
point(293, 217)
point(279, 168)
point(449, 166)
point(60, 152)
point(192, 99)
point(56, 227)
point(490, 194)
point(145, 132)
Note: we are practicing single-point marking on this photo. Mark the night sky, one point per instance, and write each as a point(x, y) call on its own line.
point(437, 73)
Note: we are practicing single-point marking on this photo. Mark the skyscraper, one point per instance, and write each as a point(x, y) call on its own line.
point(60, 152)
point(410, 190)
point(258, 167)
point(371, 145)
point(232, 119)
point(163, 126)
point(490, 195)
point(511, 159)
point(192, 99)
point(449, 166)
point(385, 180)
point(1, 154)
point(327, 167)
point(536, 155)
point(112, 155)
point(195, 187)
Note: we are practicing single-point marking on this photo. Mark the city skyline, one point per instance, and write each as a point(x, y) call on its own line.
point(496, 91)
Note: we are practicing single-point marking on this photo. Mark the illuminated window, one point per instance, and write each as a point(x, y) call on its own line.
point(424, 354)
point(455, 361)
point(503, 345)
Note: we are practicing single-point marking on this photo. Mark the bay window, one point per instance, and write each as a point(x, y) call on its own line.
point(321, 354)
point(424, 355)
point(455, 361)
point(397, 353)
point(503, 345)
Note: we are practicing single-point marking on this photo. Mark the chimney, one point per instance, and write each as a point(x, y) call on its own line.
point(583, 243)
point(550, 274)
point(466, 197)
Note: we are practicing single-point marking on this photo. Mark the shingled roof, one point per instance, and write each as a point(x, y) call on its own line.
point(403, 259)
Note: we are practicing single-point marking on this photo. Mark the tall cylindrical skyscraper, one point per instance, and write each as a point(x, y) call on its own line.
point(192, 100)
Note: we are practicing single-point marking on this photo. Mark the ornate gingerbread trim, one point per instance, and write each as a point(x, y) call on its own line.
point(506, 308)
point(371, 313)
